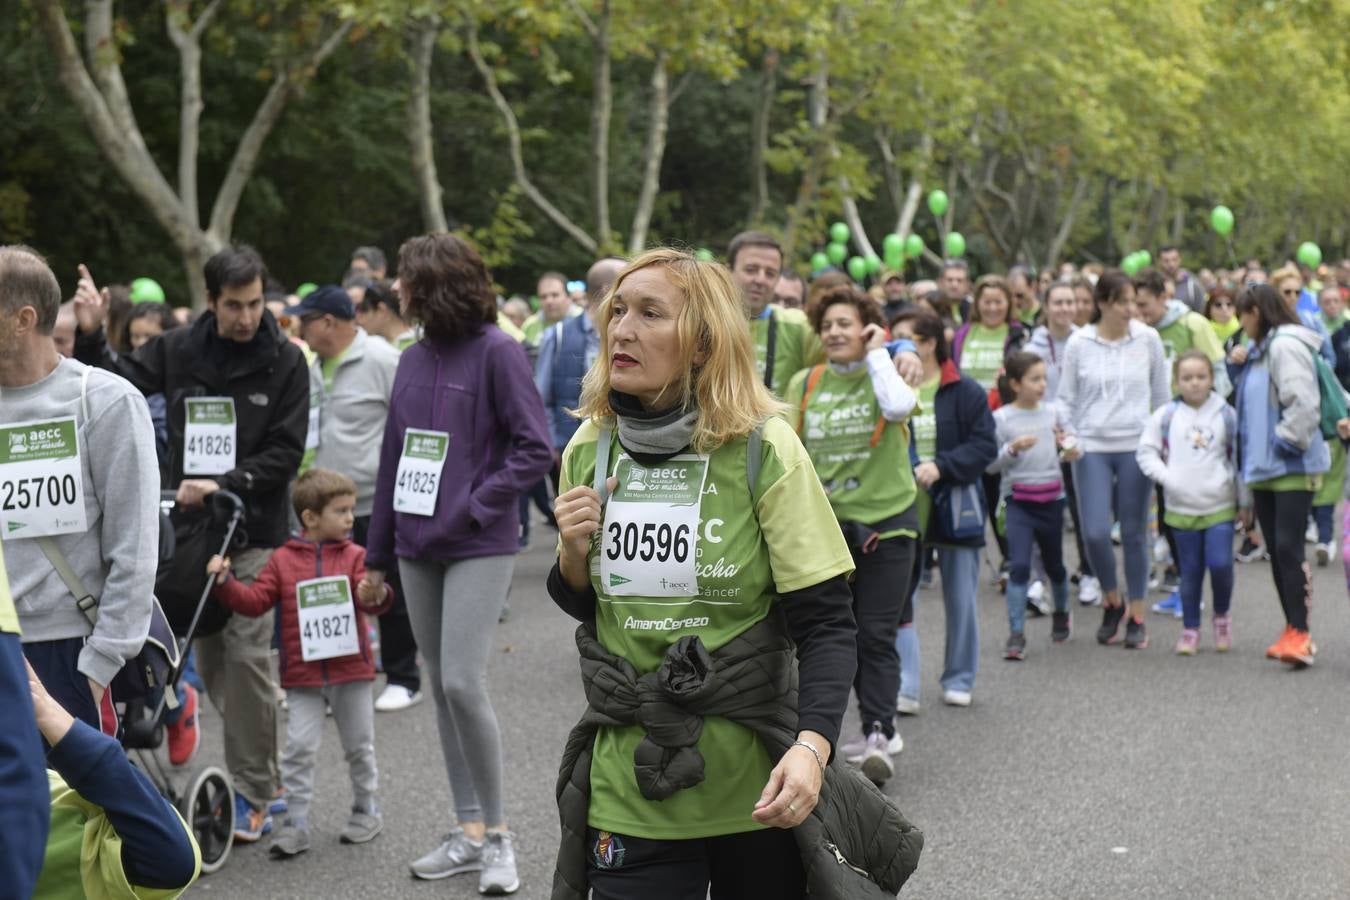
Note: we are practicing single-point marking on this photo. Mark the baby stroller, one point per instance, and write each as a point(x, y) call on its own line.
point(188, 539)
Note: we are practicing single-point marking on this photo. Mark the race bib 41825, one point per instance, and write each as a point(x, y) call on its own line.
point(418, 481)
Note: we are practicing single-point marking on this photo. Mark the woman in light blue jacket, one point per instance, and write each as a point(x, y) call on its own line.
point(1281, 453)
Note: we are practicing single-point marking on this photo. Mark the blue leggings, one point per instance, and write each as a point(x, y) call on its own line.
point(1210, 548)
point(1100, 479)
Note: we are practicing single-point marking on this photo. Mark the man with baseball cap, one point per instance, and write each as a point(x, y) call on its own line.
point(350, 382)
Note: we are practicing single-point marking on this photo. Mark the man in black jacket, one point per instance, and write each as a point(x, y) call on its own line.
point(238, 410)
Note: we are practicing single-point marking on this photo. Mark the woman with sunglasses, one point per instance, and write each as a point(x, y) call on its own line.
point(1221, 310)
point(1114, 376)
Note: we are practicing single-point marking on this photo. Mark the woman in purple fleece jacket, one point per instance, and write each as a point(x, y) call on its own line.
point(466, 435)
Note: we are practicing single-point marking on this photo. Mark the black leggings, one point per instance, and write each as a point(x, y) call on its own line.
point(881, 590)
point(1071, 493)
point(1165, 528)
point(1284, 517)
point(991, 488)
point(751, 864)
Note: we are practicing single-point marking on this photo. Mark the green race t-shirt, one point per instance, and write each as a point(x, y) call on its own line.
point(982, 353)
point(1190, 330)
point(924, 420)
point(327, 369)
point(864, 483)
point(747, 552)
point(796, 346)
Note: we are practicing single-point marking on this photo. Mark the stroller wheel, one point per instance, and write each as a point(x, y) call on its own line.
point(208, 808)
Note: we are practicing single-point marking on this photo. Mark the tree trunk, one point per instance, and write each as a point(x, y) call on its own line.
point(658, 119)
point(422, 44)
point(521, 175)
point(817, 112)
point(765, 93)
point(1066, 225)
point(602, 110)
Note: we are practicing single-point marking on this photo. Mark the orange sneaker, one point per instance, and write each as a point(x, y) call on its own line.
point(1273, 651)
point(1299, 650)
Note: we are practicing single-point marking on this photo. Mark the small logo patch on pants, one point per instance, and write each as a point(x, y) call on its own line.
point(608, 852)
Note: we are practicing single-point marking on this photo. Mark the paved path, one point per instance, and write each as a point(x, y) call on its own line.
point(1082, 772)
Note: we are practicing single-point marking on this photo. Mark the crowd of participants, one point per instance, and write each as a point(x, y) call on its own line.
point(719, 492)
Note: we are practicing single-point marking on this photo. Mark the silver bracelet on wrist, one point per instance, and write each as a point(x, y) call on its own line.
point(814, 752)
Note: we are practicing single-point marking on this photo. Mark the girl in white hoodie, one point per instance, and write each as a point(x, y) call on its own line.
point(1188, 449)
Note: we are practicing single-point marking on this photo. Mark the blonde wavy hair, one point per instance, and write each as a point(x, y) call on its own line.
point(731, 397)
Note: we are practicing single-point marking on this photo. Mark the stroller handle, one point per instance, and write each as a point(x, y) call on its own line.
point(226, 502)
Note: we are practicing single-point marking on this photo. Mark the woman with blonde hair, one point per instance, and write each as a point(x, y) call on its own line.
point(699, 552)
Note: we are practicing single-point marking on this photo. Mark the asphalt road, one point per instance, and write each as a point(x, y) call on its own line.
point(1082, 772)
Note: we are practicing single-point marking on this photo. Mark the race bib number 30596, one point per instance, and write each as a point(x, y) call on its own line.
point(418, 481)
point(41, 484)
point(327, 618)
point(209, 436)
point(651, 521)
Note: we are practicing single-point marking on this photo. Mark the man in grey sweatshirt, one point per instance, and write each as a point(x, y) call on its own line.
point(78, 466)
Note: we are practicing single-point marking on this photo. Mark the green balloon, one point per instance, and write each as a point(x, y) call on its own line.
point(914, 246)
point(1221, 220)
point(837, 252)
point(892, 243)
point(1310, 254)
point(819, 261)
point(305, 289)
point(1145, 258)
point(703, 254)
point(146, 290)
point(895, 260)
point(839, 233)
point(937, 203)
point(857, 267)
point(1131, 264)
point(956, 244)
point(873, 263)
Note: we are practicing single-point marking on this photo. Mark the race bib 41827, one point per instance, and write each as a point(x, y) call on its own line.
point(327, 618)
point(41, 483)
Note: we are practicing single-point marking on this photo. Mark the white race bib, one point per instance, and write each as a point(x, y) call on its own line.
point(312, 435)
point(419, 471)
point(41, 482)
point(651, 525)
point(327, 618)
point(209, 437)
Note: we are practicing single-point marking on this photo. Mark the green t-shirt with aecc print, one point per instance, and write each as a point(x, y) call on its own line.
point(748, 550)
point(982, 353)
point(1190, 330)
point(865, 484)
point(924, 423)
point(796, 346)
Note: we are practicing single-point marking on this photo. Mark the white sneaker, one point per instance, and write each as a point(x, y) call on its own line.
point(876, 762)
point(1324, 553)
point(1310, 533)
point(956, 698)
point(1089, 591)
point(395, 697)
point(906, 706)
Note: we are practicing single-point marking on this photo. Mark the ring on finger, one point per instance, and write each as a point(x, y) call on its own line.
point(792, 807)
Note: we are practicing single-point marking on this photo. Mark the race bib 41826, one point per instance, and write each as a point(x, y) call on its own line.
point(210, 439)
point(41, 483)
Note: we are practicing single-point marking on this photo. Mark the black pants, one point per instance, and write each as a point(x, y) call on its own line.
point(1071, 494)
point(398, 649)
point(1284, 517)
point(1165, 528)
point(991, 488)
point(55, 664)
point(882, 581)
point(737, 866)
point(542, 495)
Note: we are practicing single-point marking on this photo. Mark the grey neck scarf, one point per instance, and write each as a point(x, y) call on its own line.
point(659, 433)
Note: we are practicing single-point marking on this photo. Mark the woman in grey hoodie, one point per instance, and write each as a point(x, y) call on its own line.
point(1114, 377)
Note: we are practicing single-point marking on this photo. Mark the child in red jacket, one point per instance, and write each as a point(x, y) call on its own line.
point(325, 658)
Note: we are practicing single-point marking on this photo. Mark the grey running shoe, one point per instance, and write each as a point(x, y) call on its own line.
point(499, 865)
point(876, 761)
point(456, 855)
point(290, 840)
point(854, 749)
point(361, 827)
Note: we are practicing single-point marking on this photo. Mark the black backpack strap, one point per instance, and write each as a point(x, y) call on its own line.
point(770, 343)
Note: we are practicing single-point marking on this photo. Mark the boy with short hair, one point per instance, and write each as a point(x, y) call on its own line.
point(325, 658)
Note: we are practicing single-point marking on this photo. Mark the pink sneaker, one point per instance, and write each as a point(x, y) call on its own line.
point(1223, 632)
point(1188, 642)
